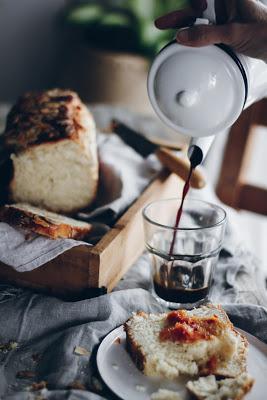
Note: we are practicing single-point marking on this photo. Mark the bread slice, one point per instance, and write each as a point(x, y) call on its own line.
point(52, 140)
point(169, 359)
point(231, 389)
point(43, 222)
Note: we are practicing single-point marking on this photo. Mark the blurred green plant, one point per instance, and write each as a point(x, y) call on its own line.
point(123, 25)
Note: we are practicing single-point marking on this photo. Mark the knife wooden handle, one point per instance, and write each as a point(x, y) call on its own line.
point(180, 166)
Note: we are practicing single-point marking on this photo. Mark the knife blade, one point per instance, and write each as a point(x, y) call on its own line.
point(138, 142)
point(179, 165)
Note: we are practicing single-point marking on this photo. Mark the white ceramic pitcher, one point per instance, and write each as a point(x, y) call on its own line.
point(200, 92)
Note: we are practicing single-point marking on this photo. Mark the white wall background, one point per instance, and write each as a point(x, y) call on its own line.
point(32, 45)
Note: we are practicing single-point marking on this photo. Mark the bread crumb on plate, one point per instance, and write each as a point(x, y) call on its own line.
point(208, 388)
point(165, 394)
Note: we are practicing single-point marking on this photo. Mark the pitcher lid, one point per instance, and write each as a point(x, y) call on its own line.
point(197, 91)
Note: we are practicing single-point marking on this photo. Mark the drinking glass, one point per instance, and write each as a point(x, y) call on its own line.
point(182, 277)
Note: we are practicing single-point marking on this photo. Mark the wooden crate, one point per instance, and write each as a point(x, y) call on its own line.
point(86, 271)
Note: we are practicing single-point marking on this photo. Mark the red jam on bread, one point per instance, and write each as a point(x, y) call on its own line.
point(182, 328)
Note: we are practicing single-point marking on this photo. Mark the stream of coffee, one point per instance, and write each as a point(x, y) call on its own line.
point(180, 210)
point(177, 280)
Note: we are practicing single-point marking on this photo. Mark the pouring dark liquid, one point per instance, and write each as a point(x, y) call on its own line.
point(195, 159)
point(180, 210)
point(169, 287)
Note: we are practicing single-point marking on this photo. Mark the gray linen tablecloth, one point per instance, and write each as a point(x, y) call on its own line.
point(43, 331)
point(47, 329)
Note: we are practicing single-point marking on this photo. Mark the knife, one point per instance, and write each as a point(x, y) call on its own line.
point(178, 165)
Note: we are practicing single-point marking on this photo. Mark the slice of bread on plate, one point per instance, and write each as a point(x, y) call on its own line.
point(183, 343)
point(51, 139)
point(209, 388)
point(43, 222)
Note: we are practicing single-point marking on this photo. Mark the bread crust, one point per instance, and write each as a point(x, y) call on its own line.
point(135, 351)
point(246, 389)
point(42, 118)
point(42, 225)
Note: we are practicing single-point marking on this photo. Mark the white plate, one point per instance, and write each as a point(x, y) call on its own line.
point(121, 375)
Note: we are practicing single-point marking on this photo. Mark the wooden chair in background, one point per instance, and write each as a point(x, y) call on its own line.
point(232, 188)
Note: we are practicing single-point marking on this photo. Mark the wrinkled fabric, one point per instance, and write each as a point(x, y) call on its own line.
point(51, 328)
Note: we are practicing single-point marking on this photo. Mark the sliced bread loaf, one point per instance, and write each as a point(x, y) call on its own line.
point(52, 140)
point(43, 222)
point(222, 354)
point(209, 388)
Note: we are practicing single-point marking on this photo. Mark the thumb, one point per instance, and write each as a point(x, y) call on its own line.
point(204, 35)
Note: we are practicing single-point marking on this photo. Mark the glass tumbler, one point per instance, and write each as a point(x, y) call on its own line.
point(182, 278)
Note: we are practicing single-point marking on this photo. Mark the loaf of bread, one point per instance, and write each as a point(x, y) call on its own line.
point(43, 222)
point(209, 388)
point(222, 353)
point(52, 140)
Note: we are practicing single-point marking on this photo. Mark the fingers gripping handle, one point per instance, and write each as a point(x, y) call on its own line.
point(209, 15)
point(210, 12)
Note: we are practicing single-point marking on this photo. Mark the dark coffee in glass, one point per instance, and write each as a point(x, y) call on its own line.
point(183, 278)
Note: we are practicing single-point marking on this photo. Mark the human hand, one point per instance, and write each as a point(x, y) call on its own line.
point(241, 24)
